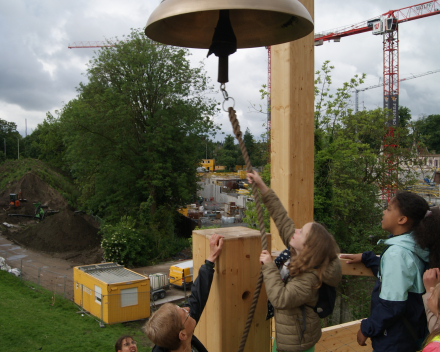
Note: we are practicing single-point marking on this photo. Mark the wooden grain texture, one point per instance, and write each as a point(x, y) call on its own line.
point(292, 128)
point(237, 270)
point(341, 338)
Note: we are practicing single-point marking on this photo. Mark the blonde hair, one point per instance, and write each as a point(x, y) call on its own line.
point(164, 326)
point(320, 248)
point(436, 331)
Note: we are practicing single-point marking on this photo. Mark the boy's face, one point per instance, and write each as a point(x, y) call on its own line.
point(392, 217)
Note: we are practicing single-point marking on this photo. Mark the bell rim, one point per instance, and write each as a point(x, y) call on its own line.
point(176, 8)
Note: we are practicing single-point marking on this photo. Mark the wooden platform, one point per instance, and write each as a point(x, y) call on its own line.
point(341, 338)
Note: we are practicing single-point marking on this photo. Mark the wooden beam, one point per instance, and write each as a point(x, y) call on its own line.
point(292, 128)
point(347, 269)
point(236, 274)
point(341, 338)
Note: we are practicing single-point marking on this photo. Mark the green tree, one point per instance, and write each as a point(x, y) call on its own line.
point(227, 154)
point(46, 142)
point(428, 131)
point(351, 164)
point(8, 138)
point(130, 133)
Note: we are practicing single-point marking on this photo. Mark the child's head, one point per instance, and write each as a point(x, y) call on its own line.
point(404, 212)
point(319, 248)
point(427, 236)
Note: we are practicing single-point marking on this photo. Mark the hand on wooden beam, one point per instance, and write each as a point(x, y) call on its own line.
point(361, 338)
point(215, 246)
point(352, 258)
point(254, 177)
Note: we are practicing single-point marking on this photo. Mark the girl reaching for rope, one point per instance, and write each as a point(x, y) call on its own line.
point(314, 260)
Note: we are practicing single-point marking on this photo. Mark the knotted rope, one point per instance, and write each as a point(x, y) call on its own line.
point(238, 135)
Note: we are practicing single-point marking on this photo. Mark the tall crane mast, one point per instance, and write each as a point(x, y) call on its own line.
point(356, 104)
point(387, 25)
point(268, 101)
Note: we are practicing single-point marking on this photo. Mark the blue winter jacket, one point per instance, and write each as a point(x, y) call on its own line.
point(397, 294)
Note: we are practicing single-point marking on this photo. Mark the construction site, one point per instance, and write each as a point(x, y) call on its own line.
point(37, 224)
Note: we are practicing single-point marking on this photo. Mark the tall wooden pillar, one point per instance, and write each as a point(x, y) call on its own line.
point(236, 274)
point(292, 128)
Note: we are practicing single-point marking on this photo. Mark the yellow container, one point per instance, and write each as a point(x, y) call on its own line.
point(111, 292)
point(181, 272)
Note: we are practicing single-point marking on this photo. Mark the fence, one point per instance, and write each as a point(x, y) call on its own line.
point(52, 281)
point(352, 303)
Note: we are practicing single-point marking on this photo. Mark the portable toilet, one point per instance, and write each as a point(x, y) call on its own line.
point(111, 292)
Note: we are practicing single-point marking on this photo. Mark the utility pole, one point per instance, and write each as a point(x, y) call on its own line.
point(18, 149)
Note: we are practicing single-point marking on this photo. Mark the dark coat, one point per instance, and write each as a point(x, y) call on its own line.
point(197, 301)
point(398, 324)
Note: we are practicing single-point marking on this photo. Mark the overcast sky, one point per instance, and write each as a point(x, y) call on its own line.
point(38, 73)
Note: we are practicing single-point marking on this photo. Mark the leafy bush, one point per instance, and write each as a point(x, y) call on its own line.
point(123, 244)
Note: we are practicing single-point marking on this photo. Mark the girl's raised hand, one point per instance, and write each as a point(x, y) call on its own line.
point(265, 257)
point(352, 258)
point(253, 177)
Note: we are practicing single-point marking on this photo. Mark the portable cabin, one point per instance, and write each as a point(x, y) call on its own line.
point(111, 292)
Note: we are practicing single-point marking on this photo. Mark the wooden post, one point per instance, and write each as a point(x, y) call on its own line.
point(292, 128)
point(236, 273)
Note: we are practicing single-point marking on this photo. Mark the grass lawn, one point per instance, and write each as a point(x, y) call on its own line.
point(31, 321)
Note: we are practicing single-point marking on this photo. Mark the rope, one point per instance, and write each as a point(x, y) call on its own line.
point(238, 135)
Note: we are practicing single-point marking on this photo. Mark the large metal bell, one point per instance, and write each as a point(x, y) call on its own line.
point(191, 23)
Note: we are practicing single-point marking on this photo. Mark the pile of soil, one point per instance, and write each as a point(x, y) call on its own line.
point(64, 235)
point(35, 190)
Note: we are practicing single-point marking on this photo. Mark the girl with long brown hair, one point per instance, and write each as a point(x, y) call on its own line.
point(313, 260)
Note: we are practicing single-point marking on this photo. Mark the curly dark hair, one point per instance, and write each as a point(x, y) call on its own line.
point(412, 206)
point(427, 235)
point(118, 344)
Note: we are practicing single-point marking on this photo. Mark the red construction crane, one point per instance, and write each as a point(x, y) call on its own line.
point(387, 25)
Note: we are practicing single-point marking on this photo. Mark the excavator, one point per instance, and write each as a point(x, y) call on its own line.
point(14, 200)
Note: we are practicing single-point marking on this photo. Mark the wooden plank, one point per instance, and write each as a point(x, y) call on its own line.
point(347, 269)
point(341, 338)
point(237, 270)
point(355, 269)
point(292, 128)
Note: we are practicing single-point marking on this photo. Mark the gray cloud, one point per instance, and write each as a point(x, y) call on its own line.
point(38, 72)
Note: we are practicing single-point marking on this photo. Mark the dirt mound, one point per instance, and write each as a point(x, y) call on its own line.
point(61, 232)
point(35, 190)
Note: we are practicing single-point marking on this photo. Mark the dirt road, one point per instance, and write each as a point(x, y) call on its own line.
point(57, 274)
